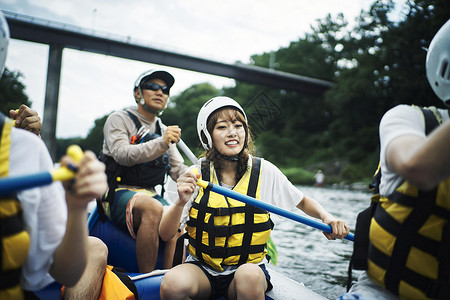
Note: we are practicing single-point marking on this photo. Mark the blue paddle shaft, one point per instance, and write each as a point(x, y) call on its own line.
point(13, 184)
point(273, 209)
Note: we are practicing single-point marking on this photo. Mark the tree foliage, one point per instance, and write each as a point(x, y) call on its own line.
point(12, 91)
point(375, 64)
point(183, 109)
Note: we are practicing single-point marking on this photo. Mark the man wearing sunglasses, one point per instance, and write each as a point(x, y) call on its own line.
point(139, 151)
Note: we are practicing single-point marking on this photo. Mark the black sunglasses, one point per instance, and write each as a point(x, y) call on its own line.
point(154, 87)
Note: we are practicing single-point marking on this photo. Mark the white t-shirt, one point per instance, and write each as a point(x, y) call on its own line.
point(44, 209)
point(398, 121)
point(275, 189)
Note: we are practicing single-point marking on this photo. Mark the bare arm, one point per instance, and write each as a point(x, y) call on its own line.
point(170, 221)
point(70, 257)
point(424, 161)
point(313, 208)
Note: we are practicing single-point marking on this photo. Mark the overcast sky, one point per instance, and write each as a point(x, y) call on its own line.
point(93, 85)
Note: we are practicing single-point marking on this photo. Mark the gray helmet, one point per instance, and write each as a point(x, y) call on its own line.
point(155, 74)
point(151, 74)
point(438, 64)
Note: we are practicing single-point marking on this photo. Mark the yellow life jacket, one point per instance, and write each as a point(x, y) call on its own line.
point(409, 251)
point(15, 241)
point(224, 231)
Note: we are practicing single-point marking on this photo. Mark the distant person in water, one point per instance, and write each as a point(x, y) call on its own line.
point(319, 176)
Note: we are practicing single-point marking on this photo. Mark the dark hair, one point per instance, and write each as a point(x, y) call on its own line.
point(231, 114)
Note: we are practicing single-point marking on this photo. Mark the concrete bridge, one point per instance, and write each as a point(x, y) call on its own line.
point(59, 36)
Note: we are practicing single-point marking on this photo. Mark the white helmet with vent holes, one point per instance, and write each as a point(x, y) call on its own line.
point(438, 63)
point(4, 41)
point(207, 110)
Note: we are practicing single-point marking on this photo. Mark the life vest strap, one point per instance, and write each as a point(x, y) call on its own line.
point(9, 278)
point(224, 252)
point(251, 227)
point(387, 221)
point(403, 244)
point(434, 289)
point(444, 262)
point(11, 225)
point(224, 231)
point(219, 211)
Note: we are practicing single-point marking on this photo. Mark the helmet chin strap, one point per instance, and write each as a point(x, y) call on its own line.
point(230, 158)
point(447, 103)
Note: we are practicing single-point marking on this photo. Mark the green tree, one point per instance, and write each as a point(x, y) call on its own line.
point(183, 109)
point(374, 65)
point(63, 144)
point(12, 91)
point(387, 68)
point(94, 139)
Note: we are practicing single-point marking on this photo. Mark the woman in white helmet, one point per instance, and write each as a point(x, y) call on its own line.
point(226, 237)
point(410, 230)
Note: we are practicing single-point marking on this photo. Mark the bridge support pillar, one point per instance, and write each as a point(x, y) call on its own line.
point(51, 97)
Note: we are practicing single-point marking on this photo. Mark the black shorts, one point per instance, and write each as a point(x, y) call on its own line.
point(221, 283)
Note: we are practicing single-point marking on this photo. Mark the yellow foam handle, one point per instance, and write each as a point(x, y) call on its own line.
point(75, 152)
point(63, 173)
point(200, 182)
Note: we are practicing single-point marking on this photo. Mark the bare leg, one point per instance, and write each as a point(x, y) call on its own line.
point(147, 214)
point(249, 283)
point(90, 283)
point(186, 281)
point(169, 251)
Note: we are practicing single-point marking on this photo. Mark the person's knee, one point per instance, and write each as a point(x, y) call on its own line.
point(148, 209)
point(173, 286)
point(250, 275)
point(98, 251)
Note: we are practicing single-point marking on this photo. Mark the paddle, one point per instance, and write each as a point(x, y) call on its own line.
point(183, 147)
point(13, 184)
point(269, 207)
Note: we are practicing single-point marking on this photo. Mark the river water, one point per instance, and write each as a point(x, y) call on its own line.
point(306, 255)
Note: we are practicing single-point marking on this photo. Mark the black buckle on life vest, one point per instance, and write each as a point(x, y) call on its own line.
point(221, 211)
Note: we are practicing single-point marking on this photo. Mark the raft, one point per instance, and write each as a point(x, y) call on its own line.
point(122, 253)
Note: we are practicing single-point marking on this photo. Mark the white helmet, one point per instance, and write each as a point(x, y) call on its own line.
point(438, 63)
point(4, 41)
point(207, 110)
